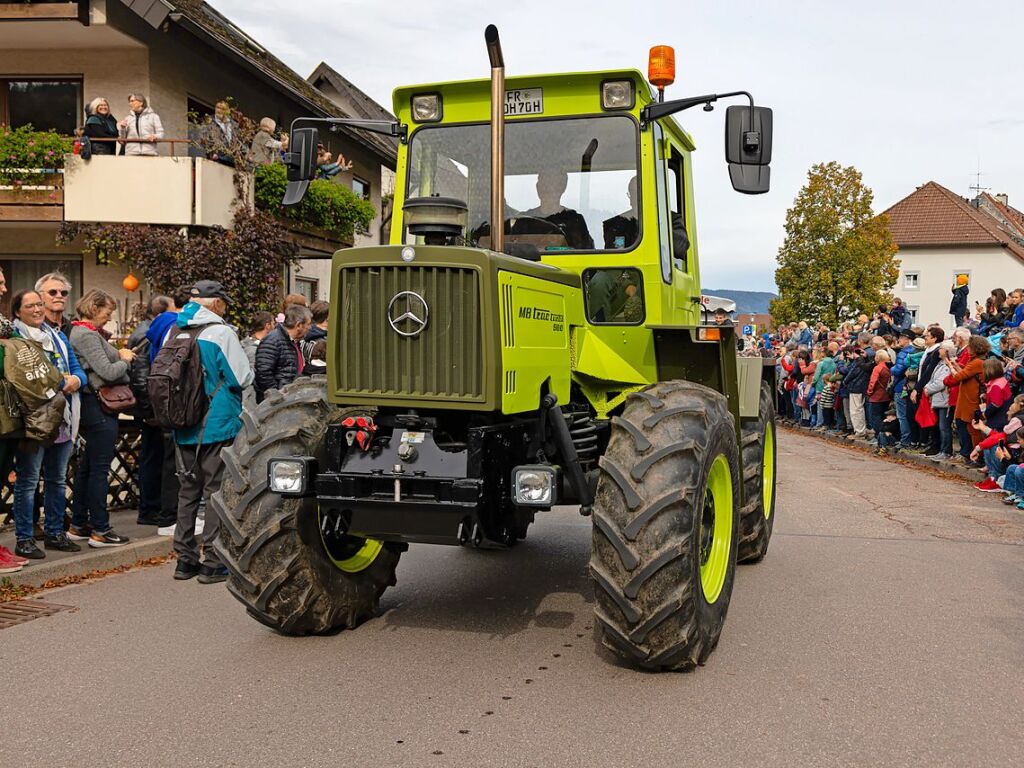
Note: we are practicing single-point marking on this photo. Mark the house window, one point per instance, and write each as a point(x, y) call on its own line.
point(45, 103)
point(911, 280)
point(21, 272)
point(308, 287)
point(912, 311)
point(361, 187)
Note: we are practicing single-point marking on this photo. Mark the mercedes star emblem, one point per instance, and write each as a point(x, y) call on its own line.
point(408, 313)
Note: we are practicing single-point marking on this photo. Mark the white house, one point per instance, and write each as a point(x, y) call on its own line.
point(941, 235)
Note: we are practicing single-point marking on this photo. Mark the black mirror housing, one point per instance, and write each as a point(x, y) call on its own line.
point(748, 148)
point(750, 179)
point(300, 160)
point(748, 135)
point(301, 156)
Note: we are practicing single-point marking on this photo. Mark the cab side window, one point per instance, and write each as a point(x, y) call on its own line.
point(677, 212)
point(664, 216)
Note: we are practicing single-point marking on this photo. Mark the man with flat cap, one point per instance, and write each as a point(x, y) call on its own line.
point(226, 372)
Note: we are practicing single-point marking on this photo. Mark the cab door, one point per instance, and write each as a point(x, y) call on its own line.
point(685, 277)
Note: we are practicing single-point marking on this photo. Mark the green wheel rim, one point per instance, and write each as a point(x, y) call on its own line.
point(350, 554)
point(716, 529)
point(768, 470)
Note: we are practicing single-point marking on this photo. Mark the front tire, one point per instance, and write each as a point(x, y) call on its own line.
point(757, 518)
point(288, 574)
point(665, 526)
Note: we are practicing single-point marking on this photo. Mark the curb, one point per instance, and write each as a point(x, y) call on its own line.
point(903, 457)
point(41, 571)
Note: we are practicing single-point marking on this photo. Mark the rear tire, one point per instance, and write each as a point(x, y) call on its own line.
point(279, 566)
point(757, 518)
point(662, 575)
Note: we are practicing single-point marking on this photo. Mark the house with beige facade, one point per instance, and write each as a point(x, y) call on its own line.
point(941, 235)
point(55, 57)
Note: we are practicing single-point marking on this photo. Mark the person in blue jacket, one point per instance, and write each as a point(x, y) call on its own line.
point(899, 376)
point(226, 372)
point(958, 304)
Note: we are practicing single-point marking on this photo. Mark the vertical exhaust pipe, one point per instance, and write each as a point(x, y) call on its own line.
point(497, 138)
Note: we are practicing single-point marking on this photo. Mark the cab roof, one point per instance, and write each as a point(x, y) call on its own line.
point(565, 94)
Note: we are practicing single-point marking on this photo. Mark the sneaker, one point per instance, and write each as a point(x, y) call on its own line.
point(10, 566)
point(27, 548)
point(1012, 499)
point(6, 554)
point(988, 485)
point(61, 543)
point(107, 539)
point(149, 518)
point(211, 574)
point(1020, 505)
point(184, 571)
point(166, 530)
point(931, 452)
point(79, 534)
point(881, 452)
point(941, 457)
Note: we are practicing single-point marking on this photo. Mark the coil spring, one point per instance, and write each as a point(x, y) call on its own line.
point(583, 432)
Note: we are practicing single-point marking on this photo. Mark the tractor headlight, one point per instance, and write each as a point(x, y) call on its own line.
point(290, 476)
point(535, 485)
point(426, 107)
point(617, 94)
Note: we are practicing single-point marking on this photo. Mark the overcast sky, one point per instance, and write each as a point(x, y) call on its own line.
point(906, 91)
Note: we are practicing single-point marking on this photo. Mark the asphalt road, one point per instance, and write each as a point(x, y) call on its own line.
point(884, 628)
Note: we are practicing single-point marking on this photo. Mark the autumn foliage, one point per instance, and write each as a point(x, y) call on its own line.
point(838, 258)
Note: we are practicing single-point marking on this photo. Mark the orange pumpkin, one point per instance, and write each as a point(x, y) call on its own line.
point(130, 283)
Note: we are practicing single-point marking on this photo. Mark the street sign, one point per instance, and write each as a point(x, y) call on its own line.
point(748, 330)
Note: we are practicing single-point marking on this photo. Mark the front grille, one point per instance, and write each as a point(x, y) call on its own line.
point(444, 361)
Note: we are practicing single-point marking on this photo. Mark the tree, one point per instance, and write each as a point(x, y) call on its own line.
point(838, 258)
point(249, 259)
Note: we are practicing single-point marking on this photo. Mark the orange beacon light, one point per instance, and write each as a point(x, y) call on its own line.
point(661, 66)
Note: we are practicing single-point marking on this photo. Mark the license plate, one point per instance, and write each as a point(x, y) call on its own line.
point(524, 101)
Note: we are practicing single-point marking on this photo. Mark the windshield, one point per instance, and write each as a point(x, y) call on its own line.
point(570, 184)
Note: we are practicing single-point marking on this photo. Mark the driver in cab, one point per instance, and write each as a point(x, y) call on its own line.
point(551, 184)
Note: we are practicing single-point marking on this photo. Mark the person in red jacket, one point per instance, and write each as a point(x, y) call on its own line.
point(878, 397)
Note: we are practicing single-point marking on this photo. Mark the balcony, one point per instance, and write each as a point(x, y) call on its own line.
point(176, 191)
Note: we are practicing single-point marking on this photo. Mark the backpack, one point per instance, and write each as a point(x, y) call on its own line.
point(35, 383)
point(176, 383)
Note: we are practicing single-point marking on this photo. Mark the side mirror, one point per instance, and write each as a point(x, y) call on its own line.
point(300, 160)
point(748, 148)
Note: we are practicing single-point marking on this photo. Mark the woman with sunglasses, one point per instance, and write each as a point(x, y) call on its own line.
point(55, 288)
point(33, 458)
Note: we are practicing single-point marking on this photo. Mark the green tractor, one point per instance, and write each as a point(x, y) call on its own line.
point(479, 374)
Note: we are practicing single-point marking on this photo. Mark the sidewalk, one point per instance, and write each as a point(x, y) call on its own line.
point(945, 467)
point(144, 544)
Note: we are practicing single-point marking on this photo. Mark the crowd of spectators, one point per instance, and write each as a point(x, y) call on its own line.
point(953, 392)
point(89, 384)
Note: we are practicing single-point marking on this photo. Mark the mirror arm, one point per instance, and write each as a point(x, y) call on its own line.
point(661, 109)
point(385, 127)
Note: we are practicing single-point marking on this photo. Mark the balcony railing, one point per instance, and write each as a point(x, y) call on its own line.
point(43, 9)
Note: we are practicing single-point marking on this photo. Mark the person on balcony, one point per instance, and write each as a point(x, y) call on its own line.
point(100, 124)
point(104, 366)
point(223, 136)
point(34, 458)
point(141, 128)
point(266, 149)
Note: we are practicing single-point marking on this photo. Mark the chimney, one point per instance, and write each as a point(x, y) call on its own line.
point(1002, 198)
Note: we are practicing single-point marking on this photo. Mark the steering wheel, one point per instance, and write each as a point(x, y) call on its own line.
point(555, 226)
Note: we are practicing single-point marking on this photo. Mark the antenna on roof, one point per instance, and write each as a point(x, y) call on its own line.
point(976, 187)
